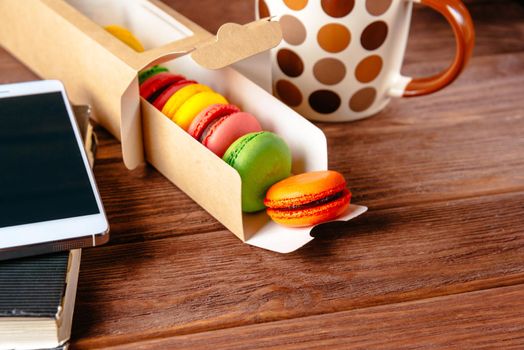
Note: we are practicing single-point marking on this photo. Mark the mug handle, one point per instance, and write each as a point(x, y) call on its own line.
point(460, 20)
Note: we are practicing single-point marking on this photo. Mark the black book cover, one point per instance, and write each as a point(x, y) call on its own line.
point(34, 286)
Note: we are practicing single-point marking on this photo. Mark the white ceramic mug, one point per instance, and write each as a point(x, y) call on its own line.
point(340, 60)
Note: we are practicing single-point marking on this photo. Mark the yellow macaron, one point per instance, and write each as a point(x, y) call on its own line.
point(194, 105)
point(125, 36)
point(178, 98)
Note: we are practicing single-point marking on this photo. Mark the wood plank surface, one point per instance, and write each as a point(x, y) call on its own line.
point(474, 320)
point(201, 282)
point(438, 262)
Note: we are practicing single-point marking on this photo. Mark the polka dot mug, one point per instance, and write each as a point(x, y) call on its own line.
point(340, 60)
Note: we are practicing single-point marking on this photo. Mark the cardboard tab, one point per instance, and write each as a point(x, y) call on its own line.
point(235, 42)
point(285, 240)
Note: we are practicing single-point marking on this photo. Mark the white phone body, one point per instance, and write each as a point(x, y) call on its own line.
point(28, 224)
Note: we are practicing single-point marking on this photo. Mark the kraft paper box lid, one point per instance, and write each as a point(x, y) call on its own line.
point(116, 101)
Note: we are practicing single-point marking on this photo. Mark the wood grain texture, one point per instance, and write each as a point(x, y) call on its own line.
point(196, 283)
point(12, 71)
point(504, 31)
point(476, 320)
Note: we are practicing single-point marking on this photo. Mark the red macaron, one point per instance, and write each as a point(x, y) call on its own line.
point(308, 199)
point(162, 99)
point(218, 126)
point(154, 86)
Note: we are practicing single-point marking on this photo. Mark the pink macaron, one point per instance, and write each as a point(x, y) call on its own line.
point(218, 126)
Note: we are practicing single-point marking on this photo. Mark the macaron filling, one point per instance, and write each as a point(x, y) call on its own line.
point(309, 215)
point(210, 127)
point(204, 122)
point(319, 202)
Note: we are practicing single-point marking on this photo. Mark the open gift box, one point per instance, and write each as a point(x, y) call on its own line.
point(65, 40)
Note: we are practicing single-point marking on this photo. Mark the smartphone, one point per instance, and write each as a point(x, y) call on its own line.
point(48, 196)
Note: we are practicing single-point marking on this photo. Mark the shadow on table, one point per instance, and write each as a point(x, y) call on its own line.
point(330, 234)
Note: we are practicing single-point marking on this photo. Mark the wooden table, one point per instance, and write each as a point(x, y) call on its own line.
point(437, 262)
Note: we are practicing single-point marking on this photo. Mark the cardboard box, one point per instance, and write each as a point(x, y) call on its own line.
point(65, 40)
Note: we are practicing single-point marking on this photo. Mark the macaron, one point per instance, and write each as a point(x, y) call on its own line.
point(194, 105)
point(262, 159)
point(154, 86)
point(125, 36)
point(162, 99)
point(218, 126)
point(179, 97)
point(148, 73)
point(308, 199)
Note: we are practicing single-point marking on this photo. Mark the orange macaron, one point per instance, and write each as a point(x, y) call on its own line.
point(308, 199)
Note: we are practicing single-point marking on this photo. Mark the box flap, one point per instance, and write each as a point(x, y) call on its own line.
point(235, 42)
point(232, 43)
point(285, 240)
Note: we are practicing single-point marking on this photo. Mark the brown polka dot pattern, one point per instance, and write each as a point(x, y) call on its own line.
point(293, 30)
point(296, 5)
point(329, 71)
point(318, 70)
point(288, 93)
point(368, 69)
point(374, 35)
point(338, 8)
point(263, 11)
point(378, 7)
point(324, 101)
point(362, 99)
point(334, 37)
point(290, 63)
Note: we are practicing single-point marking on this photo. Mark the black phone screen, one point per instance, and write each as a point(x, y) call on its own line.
point(42, 173)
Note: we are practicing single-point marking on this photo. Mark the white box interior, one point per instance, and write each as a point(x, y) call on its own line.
point(135, 15)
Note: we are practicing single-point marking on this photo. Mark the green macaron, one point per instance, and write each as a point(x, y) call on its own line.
point(261, 159)
point(148, 73)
